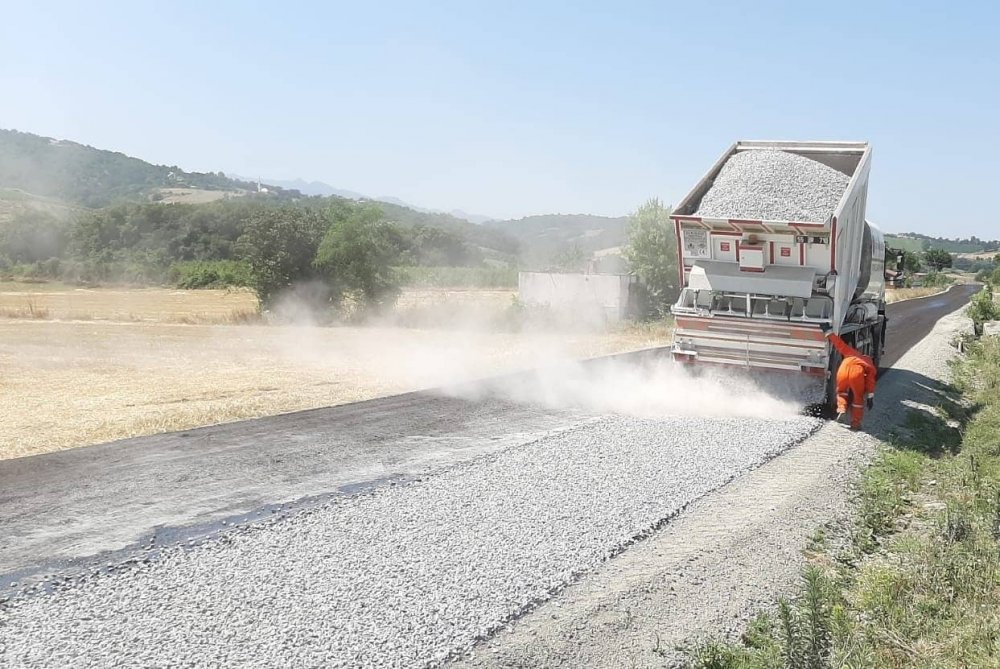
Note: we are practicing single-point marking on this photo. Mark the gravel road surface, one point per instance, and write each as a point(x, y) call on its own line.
point(406, 574)
point(68, 505)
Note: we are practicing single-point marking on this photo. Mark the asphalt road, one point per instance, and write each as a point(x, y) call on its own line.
point(70, 510)
point(911, 320)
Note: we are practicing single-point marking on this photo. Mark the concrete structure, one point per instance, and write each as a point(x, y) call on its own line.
point(991, 329)
point(590, 298)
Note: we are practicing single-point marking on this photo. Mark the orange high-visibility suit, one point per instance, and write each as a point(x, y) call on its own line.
point(855, 380)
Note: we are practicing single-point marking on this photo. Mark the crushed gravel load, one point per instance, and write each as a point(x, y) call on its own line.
point(774, 185)
point(405, 576)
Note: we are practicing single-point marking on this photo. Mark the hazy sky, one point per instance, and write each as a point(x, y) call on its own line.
point(509, 109)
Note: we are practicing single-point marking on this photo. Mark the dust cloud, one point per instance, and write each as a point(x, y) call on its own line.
point(651, 388)
point(544, 368)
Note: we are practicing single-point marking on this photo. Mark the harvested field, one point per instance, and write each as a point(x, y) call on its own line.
point(68, 384)
point(55, 301)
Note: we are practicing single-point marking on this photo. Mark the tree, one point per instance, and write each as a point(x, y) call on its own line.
point(937, 259)
point(32, 236)
point(357, 256)
point(279, 246)
point(911, 262)
point(571, 259)
point(652, 252)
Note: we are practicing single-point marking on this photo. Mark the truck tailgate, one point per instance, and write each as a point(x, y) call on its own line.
point(751, 343)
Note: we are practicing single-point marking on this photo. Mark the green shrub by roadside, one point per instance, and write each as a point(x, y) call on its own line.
point(983, 307)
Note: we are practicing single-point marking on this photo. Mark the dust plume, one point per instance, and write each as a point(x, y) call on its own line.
point(547, 368)
point(648, 388)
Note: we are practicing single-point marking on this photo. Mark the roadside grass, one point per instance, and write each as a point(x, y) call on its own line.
point(900, 294)
point(918, 584)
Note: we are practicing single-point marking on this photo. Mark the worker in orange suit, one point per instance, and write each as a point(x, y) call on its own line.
point(855, 380)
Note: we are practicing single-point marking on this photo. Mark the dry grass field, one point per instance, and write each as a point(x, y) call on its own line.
point(899, 294)
point(146, 361)
point(55, 301)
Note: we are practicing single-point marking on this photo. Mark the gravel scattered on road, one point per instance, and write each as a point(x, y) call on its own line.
point(774, 185)
point(404, 576)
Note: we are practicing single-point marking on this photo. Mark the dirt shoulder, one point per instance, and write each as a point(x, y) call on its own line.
point(731, 553)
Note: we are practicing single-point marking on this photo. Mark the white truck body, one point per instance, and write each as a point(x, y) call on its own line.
point(754, 292)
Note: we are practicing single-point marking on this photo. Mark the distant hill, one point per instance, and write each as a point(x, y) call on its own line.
point(72, 210)
point(544, 239)
point(311, 188)
point(914, 241)
point(77, 174)
point(325, 190)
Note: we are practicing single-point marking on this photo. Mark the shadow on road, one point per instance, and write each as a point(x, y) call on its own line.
point(919, 413)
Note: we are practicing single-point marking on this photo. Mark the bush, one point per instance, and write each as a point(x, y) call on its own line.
point(209, 274)
point(936, 280)
point(983, 308)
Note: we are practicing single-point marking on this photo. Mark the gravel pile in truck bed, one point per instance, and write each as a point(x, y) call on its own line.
point(774, 186)
point(400, 577)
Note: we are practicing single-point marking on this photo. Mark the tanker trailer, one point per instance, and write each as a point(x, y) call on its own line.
point(772, 243)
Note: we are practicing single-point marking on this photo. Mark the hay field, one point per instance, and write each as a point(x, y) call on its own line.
point(72, 383)
point(56, 301)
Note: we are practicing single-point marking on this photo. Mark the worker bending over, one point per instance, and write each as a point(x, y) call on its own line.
point(855, 380)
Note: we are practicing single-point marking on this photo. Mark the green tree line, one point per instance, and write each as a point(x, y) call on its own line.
point(352, 249)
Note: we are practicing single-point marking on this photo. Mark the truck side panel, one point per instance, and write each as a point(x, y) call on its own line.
point(847, 230)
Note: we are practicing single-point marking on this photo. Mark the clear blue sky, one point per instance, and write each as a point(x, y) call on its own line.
point(509, 109)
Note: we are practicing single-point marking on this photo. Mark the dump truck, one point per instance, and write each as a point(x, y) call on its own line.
point(755, 290)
